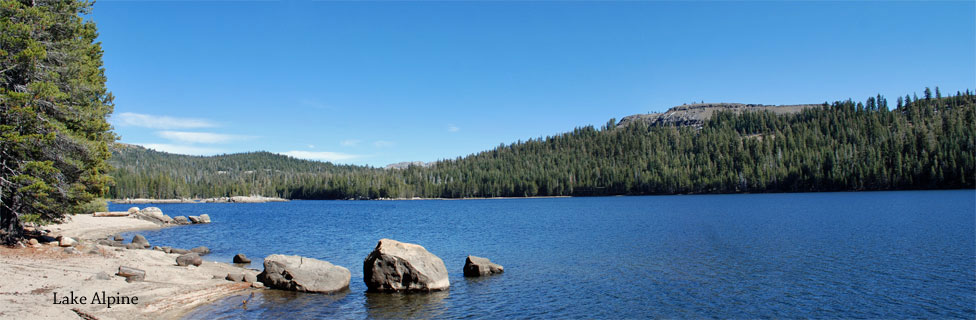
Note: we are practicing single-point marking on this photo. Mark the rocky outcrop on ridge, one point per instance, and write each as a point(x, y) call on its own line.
point(695, 115)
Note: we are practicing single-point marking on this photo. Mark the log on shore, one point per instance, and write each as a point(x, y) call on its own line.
point(111, 214)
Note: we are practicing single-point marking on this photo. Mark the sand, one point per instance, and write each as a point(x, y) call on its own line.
point(30, 277)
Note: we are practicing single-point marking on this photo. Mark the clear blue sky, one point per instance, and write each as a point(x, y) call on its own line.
point(382, 82)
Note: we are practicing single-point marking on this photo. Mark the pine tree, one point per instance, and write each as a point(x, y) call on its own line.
point(53, 108)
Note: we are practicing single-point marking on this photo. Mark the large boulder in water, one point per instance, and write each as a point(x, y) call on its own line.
point(303, 274)
point(478, 266)
point(204, 218)
point(399, 266)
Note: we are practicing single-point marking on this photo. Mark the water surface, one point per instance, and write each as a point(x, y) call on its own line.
point(909, 254)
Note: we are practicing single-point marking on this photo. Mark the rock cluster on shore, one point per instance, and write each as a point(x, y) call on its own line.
point(155, 215)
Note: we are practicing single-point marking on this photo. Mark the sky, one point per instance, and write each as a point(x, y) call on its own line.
point(377, 82)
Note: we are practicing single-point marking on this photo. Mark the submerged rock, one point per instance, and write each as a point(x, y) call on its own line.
point(478, 266)
point(399, 266)
point(201, 250)
point(303, 274)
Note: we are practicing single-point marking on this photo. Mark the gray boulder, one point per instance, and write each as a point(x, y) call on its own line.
point(201, 250)
point(131, 274)
point(303, 274)
point(236, 277)
point(399, 266)
point(180, 220)
point(478, 266)
point(250, 278)
point(140, 240)
point(153, 214)
point(191, 258)
point(194, 219)
point(204, 218)
point(241, 258)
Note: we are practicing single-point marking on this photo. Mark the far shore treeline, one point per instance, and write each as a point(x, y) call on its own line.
point(922, 143)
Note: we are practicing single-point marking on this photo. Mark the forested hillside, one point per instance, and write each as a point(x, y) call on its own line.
point(925, 143)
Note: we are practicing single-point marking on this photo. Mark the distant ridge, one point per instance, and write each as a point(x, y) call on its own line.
point(695, 115)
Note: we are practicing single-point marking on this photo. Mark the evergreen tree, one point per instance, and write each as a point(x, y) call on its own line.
point(53, 108)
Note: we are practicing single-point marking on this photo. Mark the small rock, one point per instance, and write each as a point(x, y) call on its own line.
point(105, 242)
point(133, 210)
point(178, 251)
point(180, 220)
point(67, 242)
point(158, 248)
point(204, 218)
point(33, 242)
point(478, 266)
point(241, 258)
point(140, 240)
point(131, 274)
point(257, 285)
point(194, 219)
point(118, 238)
point(236, 277)
point(250, 278)
point(201, 250)
point(133, 246)
point(70, 250)
point(191, 258)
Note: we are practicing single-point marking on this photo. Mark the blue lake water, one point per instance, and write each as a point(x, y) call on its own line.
point(909, 254)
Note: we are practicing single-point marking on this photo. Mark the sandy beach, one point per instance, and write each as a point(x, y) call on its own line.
point(33, 277)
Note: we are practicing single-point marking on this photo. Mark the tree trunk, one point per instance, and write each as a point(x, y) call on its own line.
point(11, 230)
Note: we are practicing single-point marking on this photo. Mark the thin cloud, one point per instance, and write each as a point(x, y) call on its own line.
point(180, 149)
point(350, 142)
point(321, 155)
point(198, 137)
point(453, 128)
point(159, 122)
point(383, 143)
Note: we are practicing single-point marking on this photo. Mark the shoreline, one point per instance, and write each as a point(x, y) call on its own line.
point(234, 199)
point(37, 275)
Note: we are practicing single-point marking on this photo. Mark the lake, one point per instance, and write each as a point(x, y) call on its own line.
point(908, 254)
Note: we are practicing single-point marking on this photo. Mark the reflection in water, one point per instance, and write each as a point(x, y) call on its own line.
point(272, 304)
point(406, 305)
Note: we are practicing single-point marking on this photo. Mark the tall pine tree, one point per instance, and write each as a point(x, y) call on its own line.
point(53, 109)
